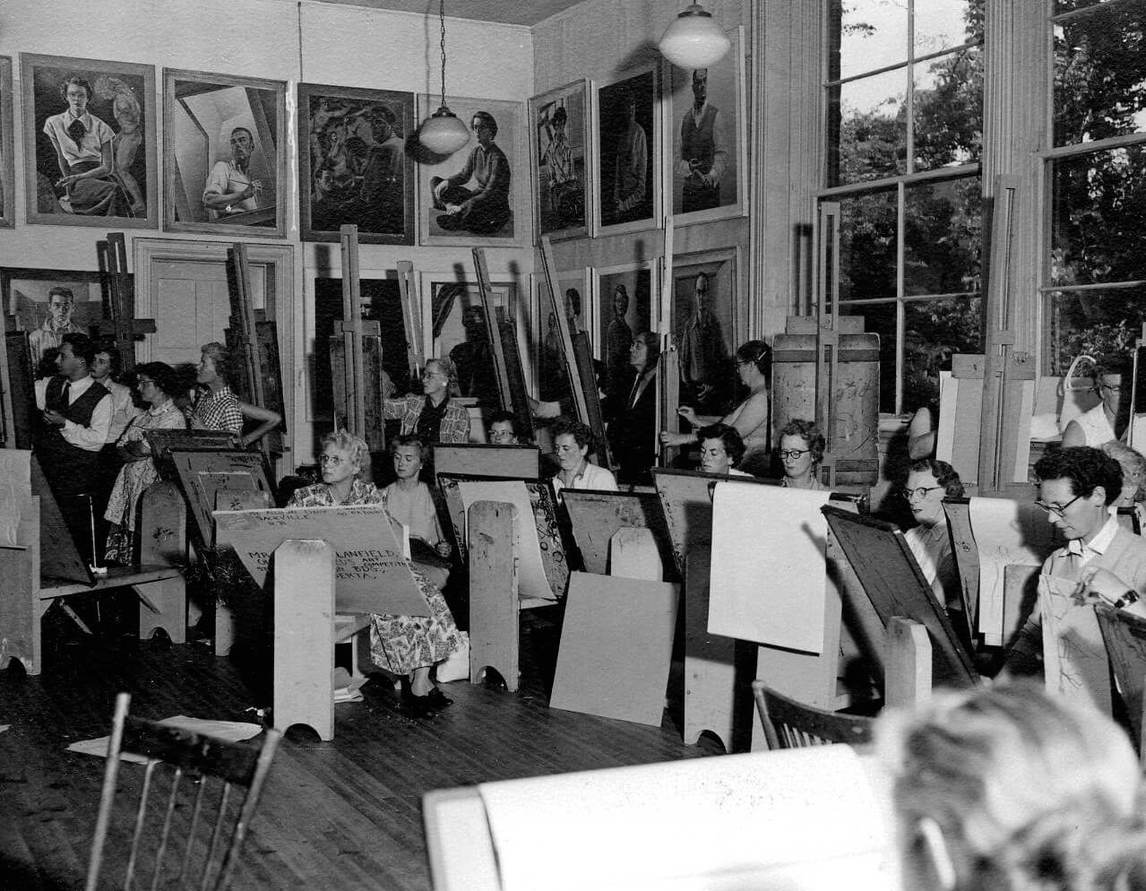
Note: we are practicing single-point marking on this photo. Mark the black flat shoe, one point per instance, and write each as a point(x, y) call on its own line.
point(416, 706)
point(438, 699)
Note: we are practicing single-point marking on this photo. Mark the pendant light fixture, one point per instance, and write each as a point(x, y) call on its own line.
point(442, 133)
point(694, 39)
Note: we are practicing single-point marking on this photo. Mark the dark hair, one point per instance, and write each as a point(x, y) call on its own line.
point(113, 355)
point(162, 374)
point(502, 416)
point(580, 432)
point(63, 292)
point(810, 433)
point(624, 293)
point(943, 472)
point(82, 346)
point(758, 353)
point(486, 118)
point(574, 300)
point(250, 135)
point(560, 116)
point(1114, 363)
point(409, 439)
point(79, 82)
point(653, 345)
point(728, 435)
point(1085, 467)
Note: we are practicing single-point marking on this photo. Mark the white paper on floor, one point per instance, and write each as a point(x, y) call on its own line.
point(232, 731)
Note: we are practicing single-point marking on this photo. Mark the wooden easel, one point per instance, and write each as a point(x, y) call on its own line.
point(411, 318)
point(255, 342)
point(119, 300)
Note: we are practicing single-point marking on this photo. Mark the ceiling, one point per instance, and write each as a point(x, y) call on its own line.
point(509, 12)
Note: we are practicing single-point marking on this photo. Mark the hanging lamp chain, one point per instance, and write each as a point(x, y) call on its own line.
point(442, 18)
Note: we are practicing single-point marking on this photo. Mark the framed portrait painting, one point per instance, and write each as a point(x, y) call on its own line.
point(575, 287)
point(7, 157)
point(353, 164)
point(626, 299)
point(224, 163)
point(559, 152)
point(49, 303)
point(707, 138)
point(89, 142)
point(627, 124)
point(479, 194)
point(455, 327)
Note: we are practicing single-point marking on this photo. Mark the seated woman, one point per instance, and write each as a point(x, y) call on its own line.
point(721, 449)
point(801, 451)
point(411, 503)
point(408, 646)
point(157, 385)
point(928, 482)
point(1108, 419)
point(572, 442)
point(1008, 788)
point(750, 417)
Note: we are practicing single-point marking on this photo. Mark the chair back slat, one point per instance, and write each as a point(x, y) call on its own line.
point(789, 724)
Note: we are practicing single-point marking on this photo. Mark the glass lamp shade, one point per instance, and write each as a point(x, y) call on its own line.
point(442, 132)
point(694, 39)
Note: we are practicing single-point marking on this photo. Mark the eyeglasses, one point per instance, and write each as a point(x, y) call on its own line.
point(1056, 509)
point(791, 454)
point(332, 460)
point(1113, 388)
point(918, 491)
point(143, 382)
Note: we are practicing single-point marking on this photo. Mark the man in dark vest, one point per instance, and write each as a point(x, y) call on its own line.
point(76, 414)
point(703, 156)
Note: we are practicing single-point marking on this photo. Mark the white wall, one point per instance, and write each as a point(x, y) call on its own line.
point(313, 42)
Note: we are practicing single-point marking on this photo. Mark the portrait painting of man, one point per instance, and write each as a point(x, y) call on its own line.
point(353, 163)
point(49, 304)
point(705, 324)
point(628, 145)
point(89, 142)
point(559, 129)
point(222, 161)
point(476, 195)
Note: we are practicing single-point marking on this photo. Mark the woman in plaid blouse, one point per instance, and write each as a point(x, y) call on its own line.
point(217, 407)
point(433, 416)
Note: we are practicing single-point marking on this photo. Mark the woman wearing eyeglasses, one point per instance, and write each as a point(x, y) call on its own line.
point(928, 482)
point(433, 415)
point(407, 646)
point(801, 451)
point(1107, 420)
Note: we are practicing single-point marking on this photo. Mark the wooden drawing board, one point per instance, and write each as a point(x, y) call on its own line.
point(616, 648)
point(966, 553)
point(59, 556)
point(204, 476)
point(372, 572)
point(473, 460)
point(164, 442)
point(1125, 638)
point(595, 517)
point(893, 581)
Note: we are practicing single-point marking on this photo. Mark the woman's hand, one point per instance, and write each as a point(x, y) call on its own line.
point(675, 439)
point(688, 413)
point(1100, 585)
point(443, 548)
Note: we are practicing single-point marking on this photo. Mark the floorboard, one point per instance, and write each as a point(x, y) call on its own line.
point(343, 814)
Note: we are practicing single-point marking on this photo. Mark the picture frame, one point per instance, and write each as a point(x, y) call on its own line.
point(642, 290)
point(121, 98)
point(7, 151)
point(705, 342)
point(502, 221)
point(453, 329)
point(716, 142)
point(354, 166)
point(550, 357)
point(26, 295)
point(204, 118)
point(635, 205)
point(561, 165)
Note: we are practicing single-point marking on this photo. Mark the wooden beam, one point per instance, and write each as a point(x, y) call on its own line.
point(119, 300)
point(491, 328)
point(411, 318)
point(354, 411)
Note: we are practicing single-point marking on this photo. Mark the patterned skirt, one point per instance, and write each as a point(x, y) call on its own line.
point(401, 644)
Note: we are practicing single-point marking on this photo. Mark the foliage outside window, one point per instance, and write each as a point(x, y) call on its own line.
point(1094, 280)
point(904, 100)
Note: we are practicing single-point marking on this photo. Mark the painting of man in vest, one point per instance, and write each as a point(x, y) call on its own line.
point(703, 150)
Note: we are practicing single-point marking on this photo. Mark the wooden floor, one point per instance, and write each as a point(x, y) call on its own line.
point(343, 814)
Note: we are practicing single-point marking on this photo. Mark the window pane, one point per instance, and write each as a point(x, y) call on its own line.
point(879, 318)
point(872, 34)
point(1099, 217)
point(867, 127)
point(948, 110)
point(1100, 74)
point(943, 24)
point(933, 330)
point(942, 237)
point(1092, 322)
point(867, 246)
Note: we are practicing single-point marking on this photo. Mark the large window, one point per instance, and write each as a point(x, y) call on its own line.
point(904, 101)
point(1094, 277)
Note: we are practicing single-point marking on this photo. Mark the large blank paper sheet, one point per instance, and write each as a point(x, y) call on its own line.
point(767, 578)
point(1076, 664)
point(15, 488)
point(531, 578)
point(1006, 533)
point(814, 818)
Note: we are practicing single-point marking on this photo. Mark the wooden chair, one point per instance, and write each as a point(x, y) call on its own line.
point(791, 725)
point(179, 822)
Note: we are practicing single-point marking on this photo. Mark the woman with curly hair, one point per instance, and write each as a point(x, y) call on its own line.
point(572, 443)
point(434, 416)
point(801, 451)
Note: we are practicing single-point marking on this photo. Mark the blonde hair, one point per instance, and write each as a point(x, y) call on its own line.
point(1027, 791)
point(353, 446)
